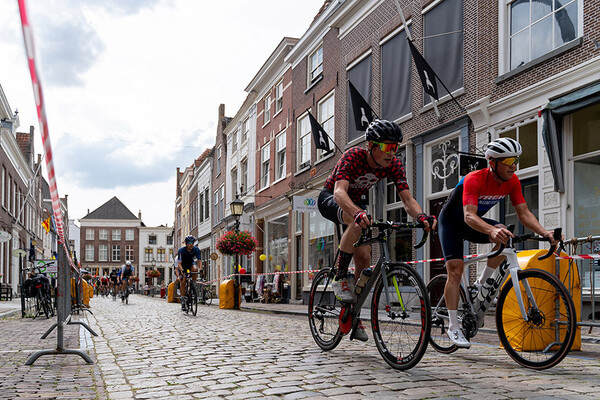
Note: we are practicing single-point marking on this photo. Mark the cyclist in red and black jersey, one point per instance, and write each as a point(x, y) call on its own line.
point(343, 200)
point(462, 219)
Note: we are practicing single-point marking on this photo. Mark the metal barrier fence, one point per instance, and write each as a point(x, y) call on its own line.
point(589, 277)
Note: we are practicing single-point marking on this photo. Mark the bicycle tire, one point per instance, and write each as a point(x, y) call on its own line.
point(401, 339)
point(525, 341)
point(324, 312)
point(208, 297)
point(193, 300)
point(439, 339)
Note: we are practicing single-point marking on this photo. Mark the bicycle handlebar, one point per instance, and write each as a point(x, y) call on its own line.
point(530, 236)
point(366, 236)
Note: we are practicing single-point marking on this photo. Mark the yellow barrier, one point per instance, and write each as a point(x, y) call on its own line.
point(529, 259)
point(171, 293)
point(226, 297)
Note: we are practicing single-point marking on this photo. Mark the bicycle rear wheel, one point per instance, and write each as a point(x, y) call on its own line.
point(193, 300)
point(439, 314)
point(324, 311)
point(546, 338)
point(207, 293)
point(401, 327)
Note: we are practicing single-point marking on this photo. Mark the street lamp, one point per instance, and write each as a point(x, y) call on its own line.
point(237, 209)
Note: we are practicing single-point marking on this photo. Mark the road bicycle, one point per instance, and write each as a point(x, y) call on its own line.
point(400, 311)
point(190, 299)
point(536, 324)
point(206, 293)
point(113, 292)
point(125, 293)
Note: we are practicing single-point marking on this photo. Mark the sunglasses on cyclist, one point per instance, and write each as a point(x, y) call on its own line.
point(510, 161)
point(389, 148)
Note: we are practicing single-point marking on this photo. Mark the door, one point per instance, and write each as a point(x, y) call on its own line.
point(435, 247)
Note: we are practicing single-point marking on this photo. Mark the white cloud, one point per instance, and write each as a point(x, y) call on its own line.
point(132, 88)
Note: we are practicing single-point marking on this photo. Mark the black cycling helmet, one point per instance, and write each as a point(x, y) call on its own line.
point(382, 129)
point(189, 239)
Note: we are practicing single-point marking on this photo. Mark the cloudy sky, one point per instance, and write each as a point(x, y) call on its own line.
point(132, 87)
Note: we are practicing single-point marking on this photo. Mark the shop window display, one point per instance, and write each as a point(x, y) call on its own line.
point(320, 246)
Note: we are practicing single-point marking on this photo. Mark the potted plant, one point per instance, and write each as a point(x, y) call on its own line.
point(240, 242)
point(153, 273)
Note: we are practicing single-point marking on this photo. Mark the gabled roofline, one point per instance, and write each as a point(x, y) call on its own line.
point(273, 62)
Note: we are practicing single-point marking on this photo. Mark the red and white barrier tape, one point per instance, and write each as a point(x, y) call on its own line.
point(579, 257)
point(41, 112)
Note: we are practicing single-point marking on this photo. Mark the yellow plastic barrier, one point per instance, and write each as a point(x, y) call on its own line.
point(529, 259)
point(226, 297)
point(88, 292)
point(171, 294)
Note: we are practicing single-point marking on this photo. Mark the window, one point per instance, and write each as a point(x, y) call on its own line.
point(244, 177)
point(526, 135)
point(169, 239)
point(3, 186)
point(234, 181)
point(245, 129)
point(267, 114)
point(216, 204)
point(148, 255)
point(396, 88)
point(89, 252)
point(392, 195)
point(508, 214)
point(116, 234)
point(129, 253)
point(160, 255)
point(201, 205)
point(360, 76)
point(206, 205)
point(129, 234)
point(102, 252)
point(537, 27)
point(116, 252)
point(444, 171)
point(152, 239)
point(194, 214)
point(89, 234)
point(279, 97)
point(218, 166)
point(234, 140)
point(315, 65)
point(103, 234)
point(265, 155)
point(303, 153)
point(443, 46)
point(221, 203)
point(280, 156)
point(326, 119)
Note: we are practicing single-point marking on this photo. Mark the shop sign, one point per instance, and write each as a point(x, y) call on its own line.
point(214, 256)
point(47, 266)
point(304, 204)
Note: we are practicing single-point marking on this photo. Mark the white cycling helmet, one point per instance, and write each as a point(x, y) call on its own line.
point(502, 148)
point(128, 263)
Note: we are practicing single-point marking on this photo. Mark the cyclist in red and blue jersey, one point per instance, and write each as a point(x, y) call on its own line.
point(462, 219)
point(344, 199)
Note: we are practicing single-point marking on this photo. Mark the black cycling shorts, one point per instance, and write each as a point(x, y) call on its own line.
point(330, 209)
point(453, 232)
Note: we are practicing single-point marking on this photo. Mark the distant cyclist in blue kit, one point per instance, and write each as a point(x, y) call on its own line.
point(187, 259)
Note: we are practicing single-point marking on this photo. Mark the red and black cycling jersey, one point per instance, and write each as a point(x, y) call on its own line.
point(354, 168)
point(479, 188)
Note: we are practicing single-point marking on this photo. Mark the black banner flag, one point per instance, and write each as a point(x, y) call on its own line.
point(363, 114)
point(426, 73)
point(319, 135)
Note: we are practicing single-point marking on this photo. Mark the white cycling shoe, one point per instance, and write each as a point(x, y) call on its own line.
point(343, 288)
point(458, 338)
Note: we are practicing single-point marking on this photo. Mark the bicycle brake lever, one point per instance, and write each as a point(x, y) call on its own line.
point(557, 236)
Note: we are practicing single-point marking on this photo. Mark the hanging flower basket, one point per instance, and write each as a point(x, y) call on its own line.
point(232, 243)
point(153, 273)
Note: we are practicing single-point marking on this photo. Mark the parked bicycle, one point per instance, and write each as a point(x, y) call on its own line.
point(400, 311)
point(37, 286)
point(191, 294)
point(536, 324)
point(206, 293)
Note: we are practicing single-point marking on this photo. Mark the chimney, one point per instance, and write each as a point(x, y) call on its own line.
point(88, 212)
point(140, 215)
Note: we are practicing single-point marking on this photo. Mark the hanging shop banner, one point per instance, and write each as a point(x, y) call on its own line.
point(471, 163)
point(304, 204)
point(47, 266)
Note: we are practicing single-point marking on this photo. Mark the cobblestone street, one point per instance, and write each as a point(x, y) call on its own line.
point(150, 349)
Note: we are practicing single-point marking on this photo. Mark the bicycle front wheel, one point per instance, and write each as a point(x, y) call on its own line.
point(324, 312)
point(439, 314)
point(546, 337)
point(193, 300)
point(207, 297)
point(401, 327)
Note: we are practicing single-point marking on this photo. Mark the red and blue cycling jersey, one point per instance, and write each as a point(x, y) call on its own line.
point(480, 188)
point(354, 168)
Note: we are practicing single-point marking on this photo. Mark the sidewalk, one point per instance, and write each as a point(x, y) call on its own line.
point(9, 308)
point(301, 309)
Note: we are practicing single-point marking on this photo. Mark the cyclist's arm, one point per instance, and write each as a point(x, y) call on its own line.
point(341, 197)
point(529, 220)
point(497, 234)
point(413, 208)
